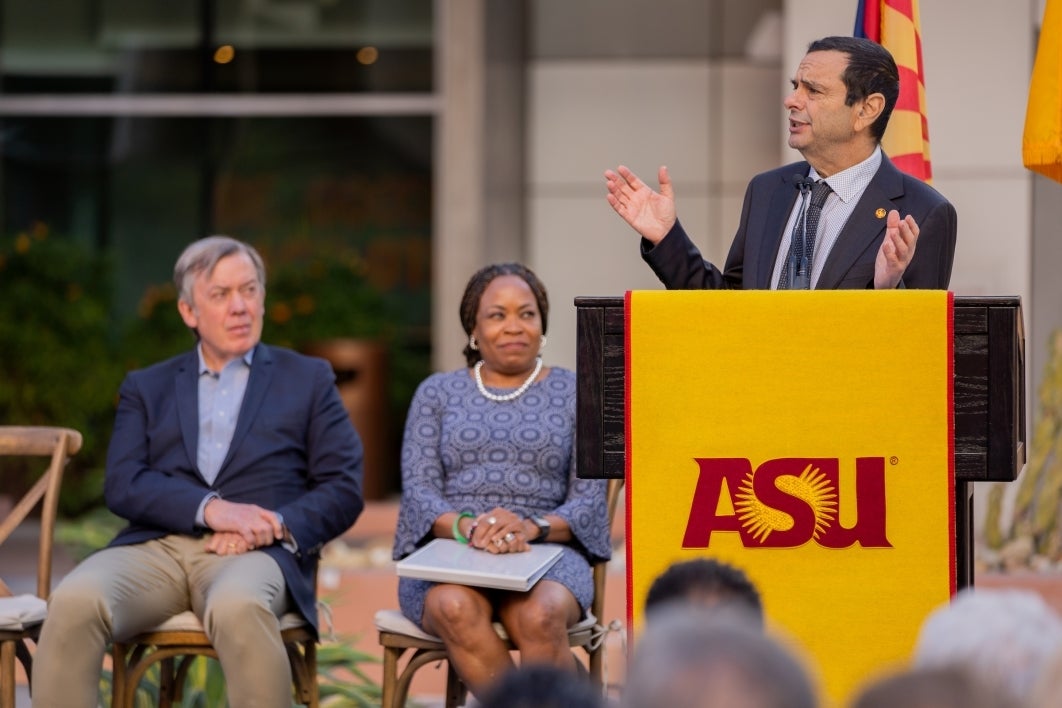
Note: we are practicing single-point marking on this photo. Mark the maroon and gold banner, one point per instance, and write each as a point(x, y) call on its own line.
point(806, 437)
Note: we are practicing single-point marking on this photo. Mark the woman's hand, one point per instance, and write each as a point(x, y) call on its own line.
point(499, 531)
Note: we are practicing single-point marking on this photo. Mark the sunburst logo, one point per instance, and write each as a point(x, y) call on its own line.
point(811, 486)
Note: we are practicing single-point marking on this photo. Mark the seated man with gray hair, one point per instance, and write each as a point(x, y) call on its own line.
point(233, 463)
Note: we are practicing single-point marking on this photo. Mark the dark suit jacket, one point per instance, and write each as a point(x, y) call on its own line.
point(294, 451)
point(769, 200)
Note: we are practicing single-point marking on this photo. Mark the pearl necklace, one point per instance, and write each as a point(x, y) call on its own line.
point(508, 396)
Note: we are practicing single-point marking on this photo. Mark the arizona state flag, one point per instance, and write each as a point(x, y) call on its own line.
point(807, 438)
point(895, 25)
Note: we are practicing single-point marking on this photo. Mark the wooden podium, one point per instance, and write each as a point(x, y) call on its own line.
point(989, 391)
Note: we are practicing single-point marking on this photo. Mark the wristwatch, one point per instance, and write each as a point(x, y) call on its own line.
point(543, 528)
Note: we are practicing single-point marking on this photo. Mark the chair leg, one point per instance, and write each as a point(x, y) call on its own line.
point(26, 659)
point(167, 683)
point(118, 652)
point(390, 676)
point(309, 659)
point(7, 674)
point(596, 666)
point(303, 659)
point(456, 691)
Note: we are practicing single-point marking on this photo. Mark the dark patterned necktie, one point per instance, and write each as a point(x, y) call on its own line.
point(803, 249)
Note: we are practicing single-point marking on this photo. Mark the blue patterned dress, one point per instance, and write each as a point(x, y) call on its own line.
point(463, 452)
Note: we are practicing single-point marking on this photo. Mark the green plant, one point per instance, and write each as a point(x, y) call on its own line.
point(315, 294)
point(204, 686)
point(56, 364)
point(89, 532)
point(341, 681)
point(339, 675)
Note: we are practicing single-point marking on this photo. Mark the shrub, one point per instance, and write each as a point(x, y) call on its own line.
point(57, 363)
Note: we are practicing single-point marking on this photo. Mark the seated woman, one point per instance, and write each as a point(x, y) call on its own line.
point(488, 459)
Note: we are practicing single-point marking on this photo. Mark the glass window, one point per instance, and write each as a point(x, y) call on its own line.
point(141, 188)
point(230, 46)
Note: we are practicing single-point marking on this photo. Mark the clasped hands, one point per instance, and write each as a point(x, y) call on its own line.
point(498, 531)
point(239, 528)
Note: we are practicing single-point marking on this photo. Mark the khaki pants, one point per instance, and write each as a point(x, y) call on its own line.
point(120, 592)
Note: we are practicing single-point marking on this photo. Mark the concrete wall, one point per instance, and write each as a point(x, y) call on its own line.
point(653, 85)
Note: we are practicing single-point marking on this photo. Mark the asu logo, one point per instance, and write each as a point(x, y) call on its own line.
point(786, 503)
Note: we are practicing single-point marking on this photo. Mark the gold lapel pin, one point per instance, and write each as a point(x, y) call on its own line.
point(880, 213)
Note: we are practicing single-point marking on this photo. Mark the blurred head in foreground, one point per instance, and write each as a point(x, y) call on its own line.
point(1005, 637)
point(694, 657)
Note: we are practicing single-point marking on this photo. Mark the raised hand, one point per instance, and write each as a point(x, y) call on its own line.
point(651, 214)
point(896, 250)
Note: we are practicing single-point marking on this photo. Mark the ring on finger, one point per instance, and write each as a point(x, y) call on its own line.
point(491, 521)
point(510, 537)
point(498, 542)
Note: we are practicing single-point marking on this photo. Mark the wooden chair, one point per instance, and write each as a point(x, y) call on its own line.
point(176, 643)
point(398, 635)
point(26, 612)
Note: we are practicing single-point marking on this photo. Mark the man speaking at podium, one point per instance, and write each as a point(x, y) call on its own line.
point(845, 218)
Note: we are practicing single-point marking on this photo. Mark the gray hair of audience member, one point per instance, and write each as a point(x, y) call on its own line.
point(1006, 637)
point(693, 657)
point(202, 256)
point(936, 687)
point(541, 686)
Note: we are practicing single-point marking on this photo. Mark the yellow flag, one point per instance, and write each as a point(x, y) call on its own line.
point(1041, 145)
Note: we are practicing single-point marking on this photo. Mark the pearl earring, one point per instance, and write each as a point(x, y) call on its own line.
point(472, 343)
point(542, 345)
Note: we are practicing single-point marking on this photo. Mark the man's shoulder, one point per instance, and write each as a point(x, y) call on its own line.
point(288, 358)
point(785, 173)
point(166, 366)
point(910, 187)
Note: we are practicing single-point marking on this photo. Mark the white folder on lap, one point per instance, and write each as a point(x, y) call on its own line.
point(444, 560)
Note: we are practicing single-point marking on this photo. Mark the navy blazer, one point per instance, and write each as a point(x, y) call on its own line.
point(294, 451)
point(769, 201)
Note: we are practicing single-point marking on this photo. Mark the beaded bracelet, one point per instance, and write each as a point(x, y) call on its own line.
point(458, 536)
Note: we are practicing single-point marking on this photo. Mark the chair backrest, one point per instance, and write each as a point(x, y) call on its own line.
point(55, 443)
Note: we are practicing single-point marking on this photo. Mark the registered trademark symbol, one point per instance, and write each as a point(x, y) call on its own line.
point(894, 460)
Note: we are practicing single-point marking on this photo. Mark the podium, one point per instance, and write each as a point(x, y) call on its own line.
point(989, 399)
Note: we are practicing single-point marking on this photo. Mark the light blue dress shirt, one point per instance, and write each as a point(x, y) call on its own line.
point(220, 398)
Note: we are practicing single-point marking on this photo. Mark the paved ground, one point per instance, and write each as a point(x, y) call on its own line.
point(357, 578)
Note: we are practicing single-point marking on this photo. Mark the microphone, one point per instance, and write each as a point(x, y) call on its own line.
point(799, 270)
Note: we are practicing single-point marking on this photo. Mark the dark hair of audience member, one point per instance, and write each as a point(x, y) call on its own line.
point(939, 687)
point(708, 583)
point(541, 686)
